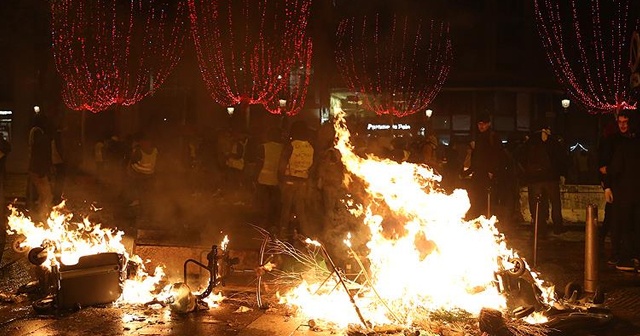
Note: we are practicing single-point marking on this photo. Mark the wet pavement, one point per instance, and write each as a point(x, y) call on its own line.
point(183, 224)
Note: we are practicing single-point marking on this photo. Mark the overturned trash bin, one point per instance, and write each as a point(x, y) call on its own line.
point(95, 280)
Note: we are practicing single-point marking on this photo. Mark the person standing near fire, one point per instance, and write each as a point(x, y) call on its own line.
point(142, 168)
point(5, 149)
point(59, 171)
point(485, 162)
point(267, 189)
point(296, 166)
point(612, 135)
point(545, 167)
point(621, 190)
point(40, 165)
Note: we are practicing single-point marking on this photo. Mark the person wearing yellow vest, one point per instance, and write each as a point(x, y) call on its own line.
point(142, 169)
point(236, 164)
point(268, 190)
point(296, 165)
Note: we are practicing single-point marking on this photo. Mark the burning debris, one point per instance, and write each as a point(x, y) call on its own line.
point(423, 267)
point(79, 263)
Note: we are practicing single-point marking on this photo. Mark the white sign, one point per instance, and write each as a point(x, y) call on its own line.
point(375, 127)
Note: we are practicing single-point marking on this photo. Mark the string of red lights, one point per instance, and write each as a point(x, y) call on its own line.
point(291, 97)
point(394, 68)
point(246, 49)
point(109, 52)
point(587, 46)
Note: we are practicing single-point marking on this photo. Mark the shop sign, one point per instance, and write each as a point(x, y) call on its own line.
point(376, 127)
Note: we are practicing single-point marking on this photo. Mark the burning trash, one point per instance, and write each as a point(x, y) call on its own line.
point(79, 263)
point(423, 267)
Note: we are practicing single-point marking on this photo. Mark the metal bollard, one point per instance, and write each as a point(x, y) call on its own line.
point(591, 249)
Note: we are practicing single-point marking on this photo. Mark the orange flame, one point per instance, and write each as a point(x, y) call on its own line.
point(435, 261)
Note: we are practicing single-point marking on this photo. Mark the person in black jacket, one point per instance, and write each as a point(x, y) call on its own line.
point(612, 135)
point(545, 165)
point(624, 184)
point(487, 161)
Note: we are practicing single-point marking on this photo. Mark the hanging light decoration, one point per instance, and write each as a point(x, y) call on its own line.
point(246, 47)
point(115, 52)
point(294, 91)
point(398, 67)
point(587, 46)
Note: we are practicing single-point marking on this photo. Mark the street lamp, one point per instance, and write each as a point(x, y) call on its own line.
point(230, 110)
point(565, 104)
point(36, 109)
point(428, 113)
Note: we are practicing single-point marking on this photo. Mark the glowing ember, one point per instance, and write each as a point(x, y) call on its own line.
point(429, 260)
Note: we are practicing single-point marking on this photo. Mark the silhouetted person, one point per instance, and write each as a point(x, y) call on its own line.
point(545, 166)
point(268, 190)
point(612, 135)
point(40, 165)
point(486, 161)
point(5, 149)
point(59, 172)
point(295, 169)
point(623, 174)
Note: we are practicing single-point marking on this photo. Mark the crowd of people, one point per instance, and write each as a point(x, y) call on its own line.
point(295, 181)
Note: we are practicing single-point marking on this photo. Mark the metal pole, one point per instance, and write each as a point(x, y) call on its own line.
point(489, 202)
point(591, 249)
point(535, 232)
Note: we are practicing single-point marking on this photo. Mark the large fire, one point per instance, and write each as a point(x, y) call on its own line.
point(434, 261)
point(64, 240)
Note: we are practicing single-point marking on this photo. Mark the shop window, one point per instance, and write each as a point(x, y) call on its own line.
point(503, 123)
point(461, 122)
point(441, 123)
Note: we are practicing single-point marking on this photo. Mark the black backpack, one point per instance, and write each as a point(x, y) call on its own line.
point(538, 160)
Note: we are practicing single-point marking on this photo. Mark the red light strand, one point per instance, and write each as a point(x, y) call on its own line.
point(245, 48)
point(398, 70)
point(592, 67)
point(108, 53)
point(295, 89)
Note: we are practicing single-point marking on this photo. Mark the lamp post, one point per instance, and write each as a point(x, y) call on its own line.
point(565, 105)
point(230, 110)
point(282, 103)
point(427, 125)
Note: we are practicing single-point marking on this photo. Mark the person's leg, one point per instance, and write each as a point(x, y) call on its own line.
point(535, 202)
point(553, 188)
point(286, 204)
point(45, 197)
point(478, 198)
point(635, 244)
point(623, 225)
point(543, 210)
point(605, 229)
point(273, 204)
point(58, 185)
point(300, 199)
